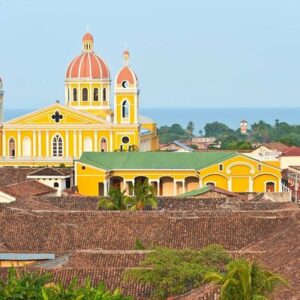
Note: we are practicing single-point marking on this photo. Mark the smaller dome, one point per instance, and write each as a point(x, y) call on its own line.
point(126, 74)
point(87, 37)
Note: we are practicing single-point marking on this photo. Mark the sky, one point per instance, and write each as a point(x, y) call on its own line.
point(192, 53)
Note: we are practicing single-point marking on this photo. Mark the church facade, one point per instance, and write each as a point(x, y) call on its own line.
point(87, 121)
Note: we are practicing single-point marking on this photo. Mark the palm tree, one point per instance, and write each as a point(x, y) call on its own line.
point(117, 200)
point(245, 281)
point(144, 195)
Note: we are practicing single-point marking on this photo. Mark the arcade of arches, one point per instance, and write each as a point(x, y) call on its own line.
point(164, 186)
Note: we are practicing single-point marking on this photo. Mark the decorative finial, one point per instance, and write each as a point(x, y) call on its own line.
point(126, 56)
point(87, 28)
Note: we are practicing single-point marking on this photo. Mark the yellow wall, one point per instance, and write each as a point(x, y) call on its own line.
point(238, 174)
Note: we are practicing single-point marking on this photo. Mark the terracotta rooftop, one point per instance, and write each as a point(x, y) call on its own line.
point(27, 189)
point(291, 151)
point(276, 146)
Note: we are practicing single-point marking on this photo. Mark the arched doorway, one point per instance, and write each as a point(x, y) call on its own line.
point(12, 148)
point(103, 145)
point(270, 187)
point(191, 183)
point(26, 146)
point(116, 183)
point(166, 186)
point(88, 144)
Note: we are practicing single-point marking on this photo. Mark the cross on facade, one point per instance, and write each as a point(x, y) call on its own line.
point(57, 116)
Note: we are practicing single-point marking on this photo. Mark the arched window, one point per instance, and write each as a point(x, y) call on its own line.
point(56, 184)
point(103, 145)
point(88, 144)
point(74, 94)
point(12, 147)
point(125, 109)
point(104, 94)
point(26, 146)
point(57, 146)
point(85, 94)
point(96, 98)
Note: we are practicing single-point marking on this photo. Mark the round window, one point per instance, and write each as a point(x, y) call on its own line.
point(125, 84)
point(125, 139)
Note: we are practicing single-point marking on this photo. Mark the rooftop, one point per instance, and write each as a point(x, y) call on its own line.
point(154, 160)
point(27, 188)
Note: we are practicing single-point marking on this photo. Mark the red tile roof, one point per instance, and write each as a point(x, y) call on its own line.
point(276, 146)
point(26, 189)
point(291, 151)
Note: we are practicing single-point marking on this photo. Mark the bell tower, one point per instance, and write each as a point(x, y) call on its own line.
point(126, 104)
point(1, 101)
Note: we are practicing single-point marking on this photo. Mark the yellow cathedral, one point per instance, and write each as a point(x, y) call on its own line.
point(86, 122)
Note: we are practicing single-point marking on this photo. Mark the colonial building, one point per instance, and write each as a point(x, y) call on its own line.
point(86, 122)
point(174, 173)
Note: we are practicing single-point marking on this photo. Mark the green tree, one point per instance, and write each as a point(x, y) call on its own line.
point(34, 286)
point(171, 133)
point(117, 200)
point(190, 127)
point(173, 272)
point(217, 130)
point(144, 196)
point(244, 280)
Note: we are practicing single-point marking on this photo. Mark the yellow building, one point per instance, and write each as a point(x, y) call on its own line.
point(174, 173)
point(86, 122)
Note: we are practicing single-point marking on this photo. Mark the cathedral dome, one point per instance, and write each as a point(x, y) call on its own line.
point(88, 65)
point(126, 74)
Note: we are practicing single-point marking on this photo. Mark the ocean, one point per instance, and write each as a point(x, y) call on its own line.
point(201, 116)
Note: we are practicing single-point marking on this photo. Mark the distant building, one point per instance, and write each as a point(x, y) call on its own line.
point(244, 127)
point(268, 152)
point(290, 157)
point(202, 142)
point(176, 146)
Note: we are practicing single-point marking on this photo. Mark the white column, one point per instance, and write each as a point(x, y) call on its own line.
point(39, 143)
point(34, 143)
point(67, 143)
point(183, 187)
point(200, 183)
point(111, 141)
point(78, 94)
point(95, 141)
point(4, 144)
point(91, 94)
point(47, 143)
point(105, 188)
point(230, 184)
point(80, 143)
point(174, 188)
point(250, 185)
point(75, 143)
point(19, 145)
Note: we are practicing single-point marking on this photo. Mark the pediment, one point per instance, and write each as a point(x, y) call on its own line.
point(56, 114)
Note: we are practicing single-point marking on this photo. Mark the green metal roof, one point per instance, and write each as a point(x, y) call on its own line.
point(196, 192)
point(154, 160)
